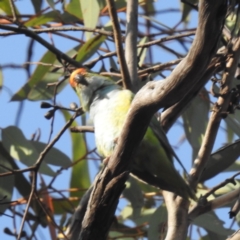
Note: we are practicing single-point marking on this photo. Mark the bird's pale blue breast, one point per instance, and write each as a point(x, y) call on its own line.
point(108, 112)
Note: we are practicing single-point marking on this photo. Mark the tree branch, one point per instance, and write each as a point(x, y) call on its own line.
point(62, 29)
point(131, 42)
point(202, 208)
point(147, 101)
point(216, 116)
point(118, 42)
point(50, 47)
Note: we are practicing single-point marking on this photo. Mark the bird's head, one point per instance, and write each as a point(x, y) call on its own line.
point(87, 84)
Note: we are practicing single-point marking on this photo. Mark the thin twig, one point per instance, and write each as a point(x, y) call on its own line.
point(39, 161)
point(62, 29)
point(54, 103)
point(148, 44)
point(13, 11)
point(33, 187)
point(202, 208)
point(118, 42)
point(159, 67)
point(50, 145)
point(82, 129)
point(165, 39)
point(222, 184)
point(13, 172)
point(51, 48)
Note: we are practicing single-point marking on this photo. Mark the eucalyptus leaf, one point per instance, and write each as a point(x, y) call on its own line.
point(221, 160)
point(54, 156)
point(39, 20)
point(186, 9)
point(23, 150)
point(195, 120)
point(145, 215)
point(23, 186)
point(51, 4)
point(234, 167)
point(35, 85)
point(143, 51)
point(211, 222)
point(157, 222)
point(90, 11)
point(37, 5)
point(74, 8)
point(6, 184)
point(134, 195)
point(89, 48)
point(80, 173)
point(233, 124)
point(5, 7)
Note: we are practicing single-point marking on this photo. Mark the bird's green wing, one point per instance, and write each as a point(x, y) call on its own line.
point(153, 163)
point(161, 136)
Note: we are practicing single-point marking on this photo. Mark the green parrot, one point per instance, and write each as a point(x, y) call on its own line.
point(108, 104)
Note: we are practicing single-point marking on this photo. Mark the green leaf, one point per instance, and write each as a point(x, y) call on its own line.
point(211, 222)
point(233, 22)
point(145, 215)
point(68, 18)
point(42, 19)
point(234, 167)
point(6, 184)
point(54, 156)
point(51, 4)
point(89, 48)
point(21, 149)
point(90, 11)
point(74, 8)
point(80, 174)
point(228, 188)
point(186, 9)
point(35, 89)
point(195, 120)
point(112, 63)
point(39, 75)
point(233, 124)
point(23, 186)
point(5, 8)
point(157, 222)
point(133, 194)
point(148, 7)
point(142, 51)
point(37, 5)
point(220, 160)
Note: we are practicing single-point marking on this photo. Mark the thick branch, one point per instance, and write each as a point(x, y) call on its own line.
point(177, 216)
point(131, 42)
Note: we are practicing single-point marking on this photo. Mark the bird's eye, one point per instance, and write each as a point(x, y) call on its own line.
point(80, 79)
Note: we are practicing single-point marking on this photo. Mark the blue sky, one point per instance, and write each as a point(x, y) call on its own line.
point(13, 51)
